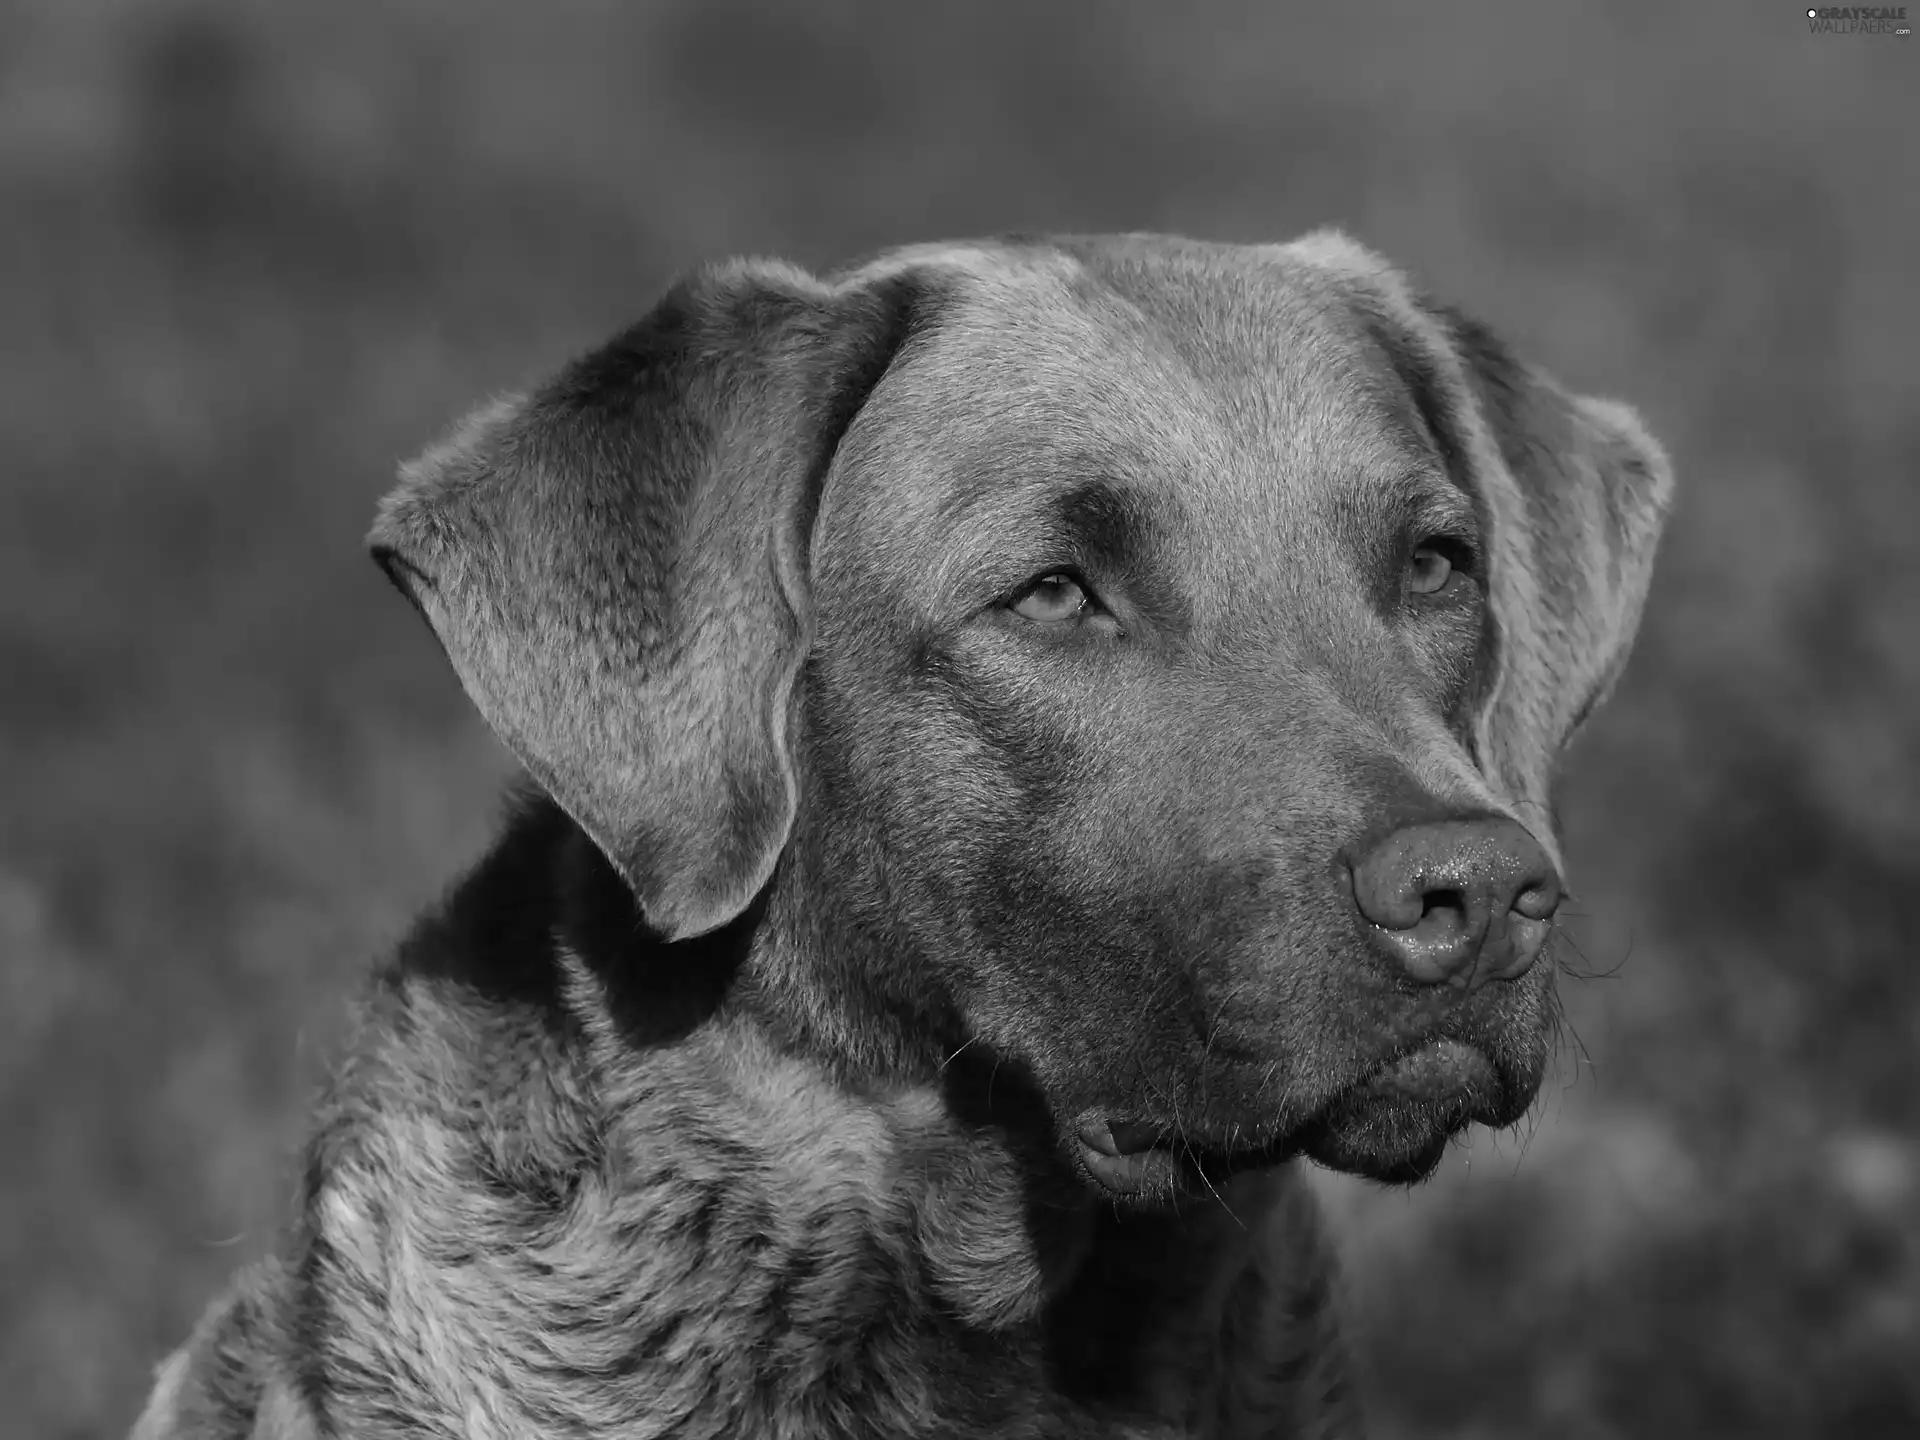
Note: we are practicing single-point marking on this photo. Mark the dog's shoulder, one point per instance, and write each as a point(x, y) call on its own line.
point(464, 1042)
point(452, 1133)
point(555, 1185)
point(230, 1380)
point(451, 1029)
point(448, 1149)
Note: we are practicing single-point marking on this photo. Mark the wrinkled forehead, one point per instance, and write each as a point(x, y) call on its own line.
point(1237, 402)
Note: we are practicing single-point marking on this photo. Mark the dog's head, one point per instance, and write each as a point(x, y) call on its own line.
point(1144, 661)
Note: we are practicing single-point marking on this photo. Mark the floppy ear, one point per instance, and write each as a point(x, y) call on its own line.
point(1576, 497)
point(616, 567)
point(1573, 493)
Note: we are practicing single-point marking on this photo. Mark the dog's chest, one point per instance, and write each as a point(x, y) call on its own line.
point(822, 1329)
point(694, 1309)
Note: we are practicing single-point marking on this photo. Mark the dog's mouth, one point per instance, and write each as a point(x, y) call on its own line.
point(1393, 1124)
point(1140, 1160)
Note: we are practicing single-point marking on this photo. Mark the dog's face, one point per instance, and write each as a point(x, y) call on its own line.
point(1092, 618)
point(1118, 639)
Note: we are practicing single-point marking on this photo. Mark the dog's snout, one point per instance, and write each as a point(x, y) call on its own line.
point(1458, 901)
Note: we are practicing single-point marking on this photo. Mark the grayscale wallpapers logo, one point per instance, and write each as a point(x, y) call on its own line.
point(1859, 20)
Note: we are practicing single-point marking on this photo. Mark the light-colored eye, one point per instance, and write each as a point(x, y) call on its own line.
point(1052, 600)
point(1430, 569)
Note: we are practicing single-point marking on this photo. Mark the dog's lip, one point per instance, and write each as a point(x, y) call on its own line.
point(1129, 1157)
point(1117, 1139)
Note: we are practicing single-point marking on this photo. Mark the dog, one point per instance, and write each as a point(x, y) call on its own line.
point(1030, 742)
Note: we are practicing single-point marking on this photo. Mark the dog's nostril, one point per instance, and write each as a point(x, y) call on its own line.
point(1538, 902)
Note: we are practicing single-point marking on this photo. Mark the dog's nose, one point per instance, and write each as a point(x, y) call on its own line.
point(1459, 901)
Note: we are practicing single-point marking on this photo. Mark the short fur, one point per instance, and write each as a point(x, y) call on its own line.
point(735, 1093)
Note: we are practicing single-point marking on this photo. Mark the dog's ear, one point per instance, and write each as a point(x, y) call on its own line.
point(617, 568)
point(1573, 493)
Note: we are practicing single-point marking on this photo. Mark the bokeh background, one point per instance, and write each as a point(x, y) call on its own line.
point(253, 254)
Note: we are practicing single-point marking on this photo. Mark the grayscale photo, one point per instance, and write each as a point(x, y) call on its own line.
point(1053, 719)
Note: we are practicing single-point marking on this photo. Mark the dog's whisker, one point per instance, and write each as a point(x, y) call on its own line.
point(1207, 1180)
point(1585, 969)
point(957, 1053)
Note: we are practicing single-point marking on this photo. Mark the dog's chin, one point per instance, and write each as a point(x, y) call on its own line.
point(1394, 1124)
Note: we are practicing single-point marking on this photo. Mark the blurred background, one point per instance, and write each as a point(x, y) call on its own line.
point(255, 254)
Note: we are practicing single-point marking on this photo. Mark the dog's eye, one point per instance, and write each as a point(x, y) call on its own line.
point(1052, 600)
point(1434, 563)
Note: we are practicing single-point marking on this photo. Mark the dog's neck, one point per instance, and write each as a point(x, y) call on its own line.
point(860, 1097)
point(923, 1137)
point(960, 1231)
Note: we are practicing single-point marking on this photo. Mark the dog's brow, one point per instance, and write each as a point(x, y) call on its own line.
point(1107, 522)
point(1119, 532)
point(1424, 500)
